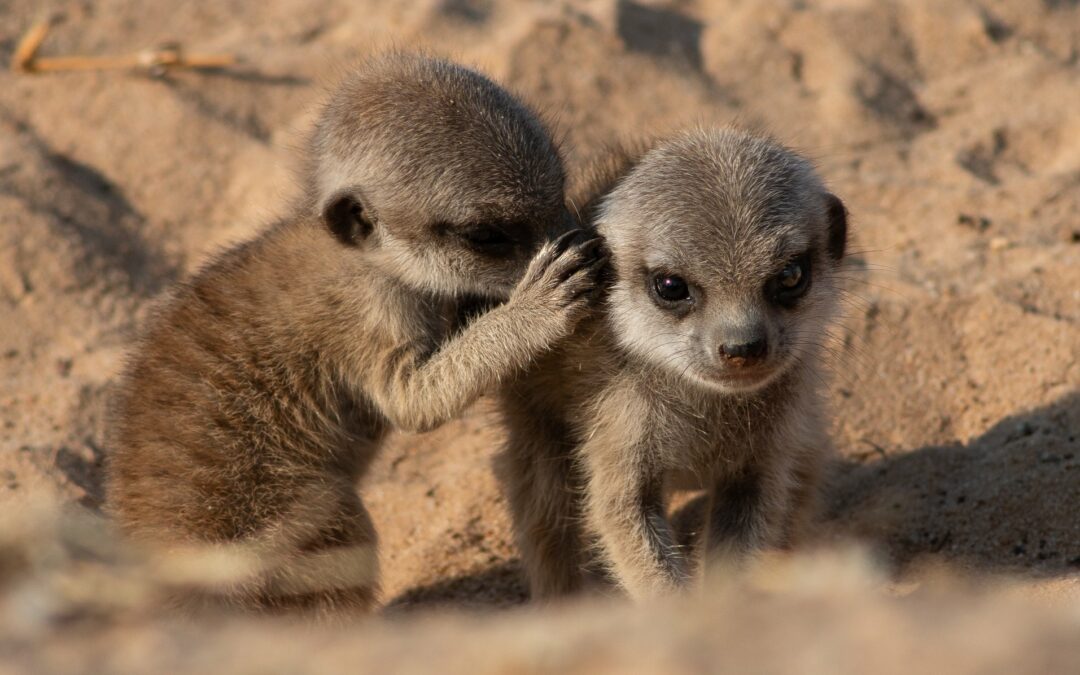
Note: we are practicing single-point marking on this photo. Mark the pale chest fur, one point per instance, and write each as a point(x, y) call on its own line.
point(699, 436)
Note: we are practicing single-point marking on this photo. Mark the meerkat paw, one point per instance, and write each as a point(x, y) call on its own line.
point(563, 280)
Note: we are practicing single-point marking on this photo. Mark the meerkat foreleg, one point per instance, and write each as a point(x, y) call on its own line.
point(418, 392)
point(625, 502)
point(637, 540)
point(747, 513)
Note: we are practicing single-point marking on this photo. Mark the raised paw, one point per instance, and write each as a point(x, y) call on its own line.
point(564, 275)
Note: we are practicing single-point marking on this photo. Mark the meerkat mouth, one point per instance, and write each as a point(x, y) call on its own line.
point(742, 379)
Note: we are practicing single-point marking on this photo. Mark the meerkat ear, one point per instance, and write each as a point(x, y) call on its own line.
point(348, 218)
point(836, 213)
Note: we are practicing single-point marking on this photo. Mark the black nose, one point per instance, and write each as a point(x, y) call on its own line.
point(745, 353)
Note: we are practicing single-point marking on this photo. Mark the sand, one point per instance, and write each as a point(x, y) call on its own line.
point(949, 128)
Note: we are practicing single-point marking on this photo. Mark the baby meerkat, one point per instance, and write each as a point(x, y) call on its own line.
point(705, 369)
point(263, 388)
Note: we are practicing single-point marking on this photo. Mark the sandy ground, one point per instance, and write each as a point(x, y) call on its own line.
point(949, 128)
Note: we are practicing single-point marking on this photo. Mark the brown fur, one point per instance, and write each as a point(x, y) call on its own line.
point(599, 176)
point(650, 396)
point(265, 385)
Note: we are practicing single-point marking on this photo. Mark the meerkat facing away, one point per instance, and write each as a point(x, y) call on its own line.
point(705, 369)
point(263, 388)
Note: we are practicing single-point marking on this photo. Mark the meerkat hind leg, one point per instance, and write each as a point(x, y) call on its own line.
point(323, 559)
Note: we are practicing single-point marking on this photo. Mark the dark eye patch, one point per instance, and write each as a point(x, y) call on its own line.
point(488, 238)
point(483, 235)
point(792, 281)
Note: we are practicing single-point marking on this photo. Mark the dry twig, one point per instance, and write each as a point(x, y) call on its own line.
point(152, 61)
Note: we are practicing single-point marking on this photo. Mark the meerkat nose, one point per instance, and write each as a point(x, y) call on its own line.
point(745, 353)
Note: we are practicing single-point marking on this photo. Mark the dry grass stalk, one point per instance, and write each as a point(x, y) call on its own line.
point(152, 61)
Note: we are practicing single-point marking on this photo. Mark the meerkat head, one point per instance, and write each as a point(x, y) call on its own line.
point(436, 174)
point(726, 248)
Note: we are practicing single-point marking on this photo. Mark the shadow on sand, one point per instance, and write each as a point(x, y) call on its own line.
point(1008, 501)
point(499, 586)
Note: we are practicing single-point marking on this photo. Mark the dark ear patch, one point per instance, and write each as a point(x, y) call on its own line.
point(348, 219)
point(836, 213)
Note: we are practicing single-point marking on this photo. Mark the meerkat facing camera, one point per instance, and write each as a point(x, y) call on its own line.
point(263, 388)
point(705, 369)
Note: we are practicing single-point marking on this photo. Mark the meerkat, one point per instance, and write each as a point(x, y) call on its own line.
point(705, 369)
point(264, 387)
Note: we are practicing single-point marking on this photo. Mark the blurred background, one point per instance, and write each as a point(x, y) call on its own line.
point(950, 128)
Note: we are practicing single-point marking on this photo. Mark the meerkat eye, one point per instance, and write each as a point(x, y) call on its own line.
point(791, 283)
point(487, 239)
point(671, 288)
point(791, 276)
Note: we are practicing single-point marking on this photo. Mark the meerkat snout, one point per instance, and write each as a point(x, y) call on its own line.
point(741, 350)
point(739, 354)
